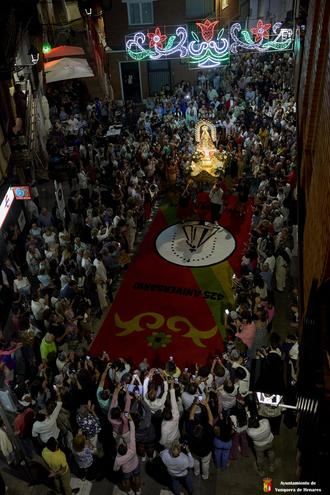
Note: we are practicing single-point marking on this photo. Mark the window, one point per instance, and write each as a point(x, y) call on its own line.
point(140, 13)
point(198, 9)
point(261, 9)
point(224, 4)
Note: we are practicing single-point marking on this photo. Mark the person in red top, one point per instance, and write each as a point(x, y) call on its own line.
point(292, 178)
point(128, 461)
point(23, 424)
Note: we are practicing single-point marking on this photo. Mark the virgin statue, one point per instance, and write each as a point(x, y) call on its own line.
point(205, 145)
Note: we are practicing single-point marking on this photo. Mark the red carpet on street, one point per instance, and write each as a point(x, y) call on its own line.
point(163, 309)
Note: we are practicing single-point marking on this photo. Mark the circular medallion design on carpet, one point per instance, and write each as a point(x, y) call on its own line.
point(194, 245)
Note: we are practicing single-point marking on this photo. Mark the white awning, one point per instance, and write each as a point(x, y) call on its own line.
point(67, 68)
point(64, 51)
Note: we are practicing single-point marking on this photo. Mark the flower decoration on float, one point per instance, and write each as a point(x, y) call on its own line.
point(196, 156)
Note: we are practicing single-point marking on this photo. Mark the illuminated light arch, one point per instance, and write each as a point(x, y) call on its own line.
point(242, 39)
point(212, 49)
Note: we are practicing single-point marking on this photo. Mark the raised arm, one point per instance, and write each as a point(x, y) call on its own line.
point(146, 386)
point(114, 400)
point(174, 404)
point(103, 376)
point(209, 412)
point(132, 443)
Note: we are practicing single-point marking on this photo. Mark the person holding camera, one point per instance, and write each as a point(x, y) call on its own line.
point(179, 462)
point(170, 424)
point(200, 436)
point(128, 461)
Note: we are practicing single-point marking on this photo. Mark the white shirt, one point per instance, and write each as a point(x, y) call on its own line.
point(83, 180)
point(261, 436)
point(216, 196)
point(38, 308)
point(170, 428)
point(270, 262)
point(177, 466)
point(21, 284)
point(157, 404)
point(47, 428)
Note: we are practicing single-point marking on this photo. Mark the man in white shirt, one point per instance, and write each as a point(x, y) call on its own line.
point(45, 427)
point(153, 399)
point(215, 196)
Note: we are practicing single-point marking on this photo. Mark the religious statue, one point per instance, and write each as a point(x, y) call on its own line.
point(205, 163)
point(205, 145)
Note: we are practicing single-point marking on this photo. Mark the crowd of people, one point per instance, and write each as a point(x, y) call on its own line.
point(96, 415)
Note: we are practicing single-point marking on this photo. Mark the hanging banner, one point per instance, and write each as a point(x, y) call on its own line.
point(60, 198)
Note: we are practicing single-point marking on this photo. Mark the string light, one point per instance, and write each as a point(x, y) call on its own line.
point(242, 39)
point(212, 50)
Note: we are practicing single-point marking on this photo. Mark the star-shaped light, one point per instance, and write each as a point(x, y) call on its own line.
point(156, 38)
point(207, 27)
point(261, 31)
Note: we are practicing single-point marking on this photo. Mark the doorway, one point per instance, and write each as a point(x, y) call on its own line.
point(130, 81)
point(159, 73)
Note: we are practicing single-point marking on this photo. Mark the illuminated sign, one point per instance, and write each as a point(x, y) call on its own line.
point(204, 44)
point(5, 205)
point(22, 192)
point(279, 39)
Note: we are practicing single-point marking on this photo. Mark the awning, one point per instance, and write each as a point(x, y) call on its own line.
point(65, 51)
point(67, 68)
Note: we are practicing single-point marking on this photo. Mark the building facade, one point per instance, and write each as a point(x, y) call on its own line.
point(137, 80)
point(313, 128)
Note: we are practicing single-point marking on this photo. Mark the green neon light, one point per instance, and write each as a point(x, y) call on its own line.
point(278, 45)
point(140, 55)
point(170, 42)
point(247, 37)
point(209, 55)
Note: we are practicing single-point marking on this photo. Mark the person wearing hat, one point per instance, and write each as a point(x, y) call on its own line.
point(23, 424)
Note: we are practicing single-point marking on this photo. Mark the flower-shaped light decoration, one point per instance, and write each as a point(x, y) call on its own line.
point(207, 27)
point(158, 340)
point(156, 38)
point(261, 31)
